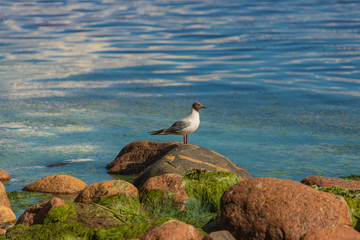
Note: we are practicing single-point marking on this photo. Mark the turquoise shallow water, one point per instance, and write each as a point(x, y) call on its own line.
point(81, 79)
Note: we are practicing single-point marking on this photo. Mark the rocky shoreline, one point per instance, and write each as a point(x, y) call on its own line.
point(184, 192)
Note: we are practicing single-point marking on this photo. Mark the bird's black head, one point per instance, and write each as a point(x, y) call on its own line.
point(197, 106)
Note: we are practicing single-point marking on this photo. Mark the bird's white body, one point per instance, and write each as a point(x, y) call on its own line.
point(192, 122)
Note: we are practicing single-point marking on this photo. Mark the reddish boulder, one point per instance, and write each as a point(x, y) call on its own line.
point(338, 233)
point(329, 182)
point(270, 208)
point(105, 189)
point(170, 183)
point(4, 201)
point(4, 176)
point(58, 184)
point(137, 156)
point(174, 230)
point(6, 216)
point(219, 235)
point(37, 213)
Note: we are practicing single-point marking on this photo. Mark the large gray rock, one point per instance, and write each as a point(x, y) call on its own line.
point(185, 157)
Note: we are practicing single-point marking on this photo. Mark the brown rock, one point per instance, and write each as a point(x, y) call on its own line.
point(2, 231)
point(6, 216)
point(329, 182)
point(4, 176)
point(270, 208)
point(58, 183)
point(105, 189)
point(187, 157)
point(37, 213)
point(173, 230)
point(219, 235)
point(4, 201)
point(338, 233)
point(137, 156)
point(170, 183)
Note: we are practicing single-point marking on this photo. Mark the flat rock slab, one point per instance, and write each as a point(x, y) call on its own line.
point(187, 157)
point(271, 208)
point(330, 182)
point(58, 184)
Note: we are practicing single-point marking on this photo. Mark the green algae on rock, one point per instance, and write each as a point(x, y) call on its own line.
point(87, 221)
point(351, 177)
point(208, 187)
point(352, 198)
point(22, 200)
point(183, 158)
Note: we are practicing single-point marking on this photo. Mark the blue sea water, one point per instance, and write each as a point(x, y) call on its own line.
point(81, 79)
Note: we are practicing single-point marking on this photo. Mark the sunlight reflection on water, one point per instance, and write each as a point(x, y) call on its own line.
point(79, 80)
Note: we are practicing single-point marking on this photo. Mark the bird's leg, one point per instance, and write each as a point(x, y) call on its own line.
point(184, 139)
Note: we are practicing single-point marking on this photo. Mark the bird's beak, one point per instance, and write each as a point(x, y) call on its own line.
point(203, 107)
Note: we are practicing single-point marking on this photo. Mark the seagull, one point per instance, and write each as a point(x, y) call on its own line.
point(184, 126)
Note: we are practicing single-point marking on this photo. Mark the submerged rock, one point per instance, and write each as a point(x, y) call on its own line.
point(105, 189)
point(57, 164)
point(329, 182)
point(270, 208)
point(4, 176)
point(37, 213)
point(174, 230)
point(137, 156)
point(58, 184)
point(186, 157)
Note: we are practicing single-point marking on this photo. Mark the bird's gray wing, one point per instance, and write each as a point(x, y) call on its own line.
point(178, 126)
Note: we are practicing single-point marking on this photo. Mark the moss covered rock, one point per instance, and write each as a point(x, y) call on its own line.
point(22, 200)
point(105, 189)
point(320, 181)
point(37, 213)
point(119, 217)
point(208, 187)
point(352, 198)
point(186, 157)
point(170, 183)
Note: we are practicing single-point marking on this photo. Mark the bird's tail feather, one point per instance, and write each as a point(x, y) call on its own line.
point(156, 132)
